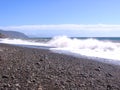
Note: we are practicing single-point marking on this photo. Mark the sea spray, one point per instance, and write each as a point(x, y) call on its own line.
point(87, 47)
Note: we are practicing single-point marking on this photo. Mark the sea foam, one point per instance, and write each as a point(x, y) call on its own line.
point(86, 47)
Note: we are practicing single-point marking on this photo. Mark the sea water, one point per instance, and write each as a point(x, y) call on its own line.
point(103, 48)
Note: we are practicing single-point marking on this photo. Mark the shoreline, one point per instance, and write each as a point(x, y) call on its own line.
point(98, 59)
point(39, 69)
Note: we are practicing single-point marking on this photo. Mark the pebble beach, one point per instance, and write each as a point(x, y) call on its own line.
point(23, 68)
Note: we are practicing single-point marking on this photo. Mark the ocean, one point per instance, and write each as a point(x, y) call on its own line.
point(105, 49)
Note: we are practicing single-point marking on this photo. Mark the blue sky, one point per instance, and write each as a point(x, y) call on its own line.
point(46, 18)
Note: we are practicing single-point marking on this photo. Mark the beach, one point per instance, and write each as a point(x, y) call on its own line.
point(23, 68)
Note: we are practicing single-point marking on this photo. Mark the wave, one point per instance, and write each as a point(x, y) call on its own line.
point(86, 47)
point(21, 42)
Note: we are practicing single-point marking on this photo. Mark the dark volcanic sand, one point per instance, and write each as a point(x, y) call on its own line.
point(37, 69)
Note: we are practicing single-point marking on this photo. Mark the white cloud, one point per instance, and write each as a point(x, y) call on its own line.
point(105, 27)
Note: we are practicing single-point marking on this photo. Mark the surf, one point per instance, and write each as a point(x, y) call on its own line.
point(89, 47)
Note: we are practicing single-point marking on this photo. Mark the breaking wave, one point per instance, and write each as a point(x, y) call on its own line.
point(86, 47)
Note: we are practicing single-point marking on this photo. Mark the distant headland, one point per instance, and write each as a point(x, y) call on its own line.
point(11, 34)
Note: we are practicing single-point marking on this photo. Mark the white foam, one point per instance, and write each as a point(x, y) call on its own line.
point(87, 47)
point(21, 42)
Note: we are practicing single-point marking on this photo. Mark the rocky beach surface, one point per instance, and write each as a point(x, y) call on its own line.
point(38, 69)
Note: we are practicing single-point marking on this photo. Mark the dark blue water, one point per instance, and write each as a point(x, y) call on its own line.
point(98, 38)
point(102, 38)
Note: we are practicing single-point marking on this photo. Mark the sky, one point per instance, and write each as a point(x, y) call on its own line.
point(74, 18)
